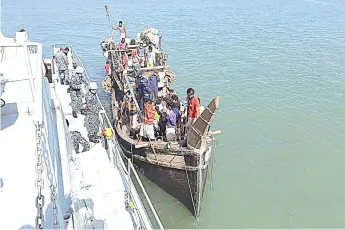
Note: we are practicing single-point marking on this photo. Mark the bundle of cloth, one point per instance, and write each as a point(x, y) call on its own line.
point(150, 36)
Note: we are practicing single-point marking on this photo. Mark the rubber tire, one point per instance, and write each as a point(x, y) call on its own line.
point(3, 103)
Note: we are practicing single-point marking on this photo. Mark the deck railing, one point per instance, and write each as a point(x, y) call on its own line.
point(138, 200)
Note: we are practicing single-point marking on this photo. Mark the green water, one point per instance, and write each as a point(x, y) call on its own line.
point(278, 67)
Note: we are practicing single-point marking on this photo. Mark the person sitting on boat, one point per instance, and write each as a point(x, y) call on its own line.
point(170, 94)
point(76, 84)
point(176, 101)
point(150, 58)
point(135, 62)
point(193, 111)
point(77, 139)
point(171, 123)
point(147, 129)
point(142, 54)
point(122, 45)
point(62, 64)
point(128, 106)
point(93, 107)
point(122, 30)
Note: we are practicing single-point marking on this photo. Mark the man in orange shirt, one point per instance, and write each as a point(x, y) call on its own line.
point(147, 129)
point(193, 111)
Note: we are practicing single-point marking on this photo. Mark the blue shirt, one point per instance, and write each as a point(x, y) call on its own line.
point(172, 119)
point(177, 113)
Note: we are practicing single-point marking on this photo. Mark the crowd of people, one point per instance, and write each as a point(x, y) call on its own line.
point(142, 56)
point(81, 102)
point(165, 118)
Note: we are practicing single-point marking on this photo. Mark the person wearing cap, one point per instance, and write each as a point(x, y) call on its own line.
point(93, 108)
point(61, 60)
point(122, 30)
point(77, 81)
point(147, 129)
point(141, 53)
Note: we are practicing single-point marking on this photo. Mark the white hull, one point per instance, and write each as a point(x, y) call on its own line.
point(92, 188)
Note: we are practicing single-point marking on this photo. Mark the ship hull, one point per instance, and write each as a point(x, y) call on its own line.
point(185, 183)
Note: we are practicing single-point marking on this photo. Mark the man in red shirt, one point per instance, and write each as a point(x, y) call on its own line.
point(193, 111)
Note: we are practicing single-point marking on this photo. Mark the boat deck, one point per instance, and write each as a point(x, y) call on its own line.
point(102, 185)
point(17, 159)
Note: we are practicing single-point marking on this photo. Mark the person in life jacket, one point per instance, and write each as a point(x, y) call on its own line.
point(129, 108)
point(147, 129)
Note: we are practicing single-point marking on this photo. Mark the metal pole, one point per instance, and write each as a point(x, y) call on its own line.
point(110, 24)
point(148, 199)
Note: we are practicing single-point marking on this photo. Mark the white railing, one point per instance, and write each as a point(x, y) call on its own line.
point(117, 157)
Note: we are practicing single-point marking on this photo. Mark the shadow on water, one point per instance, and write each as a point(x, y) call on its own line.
point(9, 115)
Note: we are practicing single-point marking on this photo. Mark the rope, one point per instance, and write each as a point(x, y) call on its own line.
point(212, 162)
point(190, 191)
point(191, 195)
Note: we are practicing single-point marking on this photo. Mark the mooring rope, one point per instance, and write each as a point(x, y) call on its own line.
point(191, 195)
point(212, 162)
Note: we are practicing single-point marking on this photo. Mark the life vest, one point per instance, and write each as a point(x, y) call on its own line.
point(150, 113)
point(131, 105)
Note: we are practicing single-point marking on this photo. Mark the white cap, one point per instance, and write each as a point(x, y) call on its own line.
point(79, 69)
point(93, 85)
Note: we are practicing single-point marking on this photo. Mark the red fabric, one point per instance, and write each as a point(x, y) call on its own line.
point(150, 112)
point(107, 69)
point(193, 105)
point(125, 60)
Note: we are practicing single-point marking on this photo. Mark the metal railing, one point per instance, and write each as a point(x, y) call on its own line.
point(144, 210)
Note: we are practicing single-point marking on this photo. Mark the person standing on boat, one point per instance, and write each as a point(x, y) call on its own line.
point(135, 62)
point(193, 111)
point(128, 106)
point(147, 129)
point(142, 54)
point(150, 57)
point(153, 85)
point(77, 81)
point(143, 91)
point(93, 108)
point(171, 123)
point(77, 139)
point(62, 63)
point(122, 30)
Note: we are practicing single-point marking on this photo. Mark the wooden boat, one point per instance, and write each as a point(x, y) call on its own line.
point(179, 167)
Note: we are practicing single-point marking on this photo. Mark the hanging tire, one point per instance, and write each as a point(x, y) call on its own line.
point(2, 103)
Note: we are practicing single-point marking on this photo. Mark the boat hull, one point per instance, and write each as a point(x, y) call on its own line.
point(184, 183)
